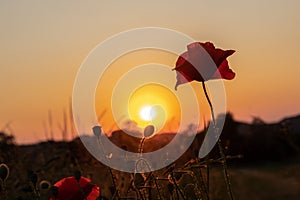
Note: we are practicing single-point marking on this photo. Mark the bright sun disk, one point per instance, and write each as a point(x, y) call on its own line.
point(147, 113)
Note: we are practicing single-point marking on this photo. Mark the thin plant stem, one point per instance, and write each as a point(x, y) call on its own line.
point(224, 164)
point(116, 193)
point(202, 187)
point(3, 186)
point(177, 187)
point(207, 175)
point(141, 146)
point(157, 187)
point(81, 190)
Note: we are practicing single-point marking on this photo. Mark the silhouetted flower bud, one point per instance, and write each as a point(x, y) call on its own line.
point(97, 131)
point(148, 131)
point(4, 171)
point(45, 185)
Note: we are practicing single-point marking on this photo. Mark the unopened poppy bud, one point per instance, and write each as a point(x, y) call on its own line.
point(97, 130)
point(148, 131)
point(77, 175)
point(45, 185)
point(4, 171)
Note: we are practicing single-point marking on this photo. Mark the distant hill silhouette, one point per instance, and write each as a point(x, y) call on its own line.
point(254, 141)
point(260, 140)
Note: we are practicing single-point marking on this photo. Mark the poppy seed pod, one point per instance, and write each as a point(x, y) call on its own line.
point(45, 185)
point(97, 131)
point(4, 171)
point(148, 131)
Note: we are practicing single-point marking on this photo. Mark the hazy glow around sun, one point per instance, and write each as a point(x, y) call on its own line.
point(147, 113)
point(152, 104)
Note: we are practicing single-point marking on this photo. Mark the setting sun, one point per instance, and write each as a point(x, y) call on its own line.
point(147, 113)
point(152, 104)
point(136, 96)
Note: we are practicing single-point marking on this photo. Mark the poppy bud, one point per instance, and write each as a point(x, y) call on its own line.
point(148, 131)
point(97, 130)
point(4, 172)
point(77, 175)
point(45, 185)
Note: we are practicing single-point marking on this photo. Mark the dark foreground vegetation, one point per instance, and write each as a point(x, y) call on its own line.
point(263, 161)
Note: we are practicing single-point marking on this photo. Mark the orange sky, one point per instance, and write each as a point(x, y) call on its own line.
point(44, 43)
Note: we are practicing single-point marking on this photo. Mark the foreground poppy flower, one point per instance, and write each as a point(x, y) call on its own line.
point(70, 189)
point(194, 64)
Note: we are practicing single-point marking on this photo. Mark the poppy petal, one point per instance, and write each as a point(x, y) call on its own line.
point(218, 55)
point(69, 189)
point(194, 64)
point(224, 71)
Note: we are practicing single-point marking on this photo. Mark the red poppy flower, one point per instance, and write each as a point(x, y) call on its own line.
point(195, 64)
point(69, 189)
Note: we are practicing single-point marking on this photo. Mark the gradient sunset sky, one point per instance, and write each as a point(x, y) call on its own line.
point(43, 44)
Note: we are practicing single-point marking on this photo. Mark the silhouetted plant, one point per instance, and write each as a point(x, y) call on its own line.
point(97, 130)
point(44, 189)
point(33, 178)
point(4, 173)
point(45, 185)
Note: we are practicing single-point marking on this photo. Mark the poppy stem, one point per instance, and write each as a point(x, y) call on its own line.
point(2, 186)
point(116, 192)
point(210, 104)
point(224, 163)
point(81, 189)
point(141, 146)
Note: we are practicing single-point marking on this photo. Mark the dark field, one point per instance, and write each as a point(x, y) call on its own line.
point(263, 164)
